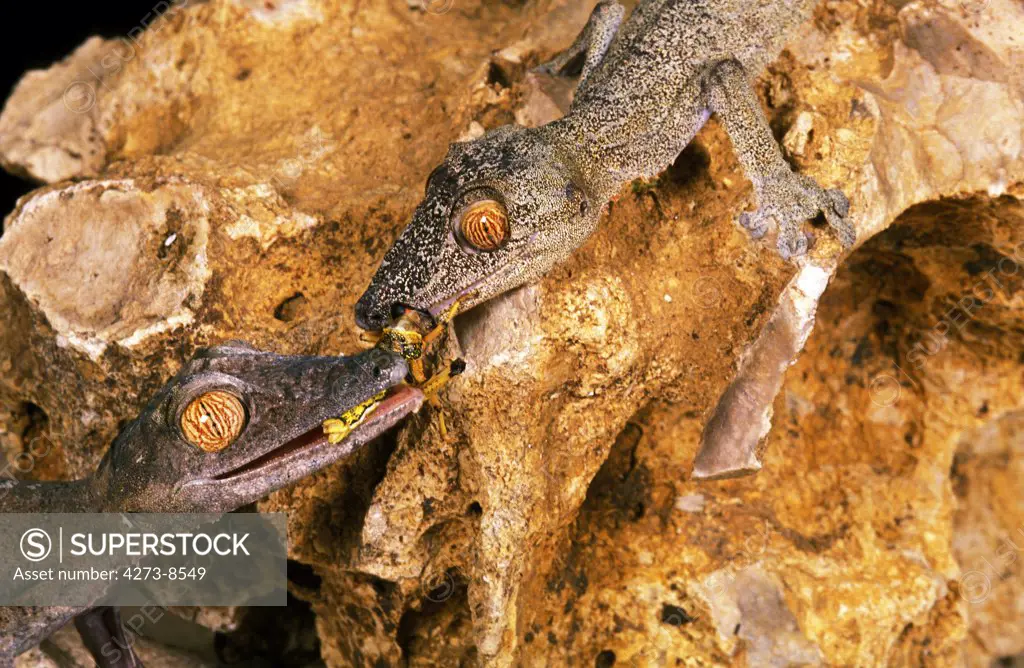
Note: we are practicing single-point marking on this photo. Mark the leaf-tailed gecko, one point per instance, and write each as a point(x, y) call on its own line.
point(502, 209)
point(234, 425)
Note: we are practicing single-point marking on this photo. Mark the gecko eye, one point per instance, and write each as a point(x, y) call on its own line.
point(213, 421)
point(481, 221)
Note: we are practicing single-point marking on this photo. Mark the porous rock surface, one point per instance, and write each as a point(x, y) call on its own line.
point(240, 170)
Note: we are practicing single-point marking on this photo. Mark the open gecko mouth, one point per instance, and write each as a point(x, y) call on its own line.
point(399, 309)
point(468, 291)
point(441, 307)
point(315, 451)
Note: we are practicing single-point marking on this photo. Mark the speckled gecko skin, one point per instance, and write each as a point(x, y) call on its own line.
point(151, 467)
point(644, 91)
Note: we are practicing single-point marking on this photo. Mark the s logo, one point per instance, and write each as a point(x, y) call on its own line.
point(36, 545)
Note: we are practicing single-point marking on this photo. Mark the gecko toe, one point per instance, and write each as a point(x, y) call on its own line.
point(754, 223)
point(839, 201)
point(845, 231)
point(836, 209)
point(792, 242)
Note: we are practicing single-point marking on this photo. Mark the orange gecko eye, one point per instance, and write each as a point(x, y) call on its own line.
point(482, 224)
point(213, 420)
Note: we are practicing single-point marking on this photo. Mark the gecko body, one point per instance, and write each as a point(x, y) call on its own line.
point(502, 209)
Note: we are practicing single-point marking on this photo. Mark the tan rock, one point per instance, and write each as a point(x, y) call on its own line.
point(49, 126)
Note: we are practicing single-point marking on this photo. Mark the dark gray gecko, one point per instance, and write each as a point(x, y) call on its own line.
point(263, 429)
point(502, 209)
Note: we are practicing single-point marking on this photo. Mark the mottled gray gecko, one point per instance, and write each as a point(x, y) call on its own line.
point(263, 430)
point(502, 209)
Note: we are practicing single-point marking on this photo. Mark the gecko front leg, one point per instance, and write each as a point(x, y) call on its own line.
point(784, 197)
point(591, 44)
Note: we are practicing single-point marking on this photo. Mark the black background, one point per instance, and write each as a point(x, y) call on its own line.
point(34, 35)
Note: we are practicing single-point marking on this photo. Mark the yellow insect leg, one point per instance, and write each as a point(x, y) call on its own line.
point(443, 319)
point(336, 430)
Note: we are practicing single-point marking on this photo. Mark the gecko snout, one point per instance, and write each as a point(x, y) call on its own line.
point(368, 317)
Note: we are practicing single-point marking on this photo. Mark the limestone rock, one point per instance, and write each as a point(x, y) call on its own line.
point(283, 145)
point(48, 129)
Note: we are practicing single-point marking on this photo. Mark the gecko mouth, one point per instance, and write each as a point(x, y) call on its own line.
point(312, 449)
point(441, 307)
point(510, 266)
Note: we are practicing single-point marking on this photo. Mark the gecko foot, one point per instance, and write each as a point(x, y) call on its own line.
point(788, 200)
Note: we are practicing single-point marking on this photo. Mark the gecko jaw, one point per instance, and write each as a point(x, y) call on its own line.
point(312, 448)
point(440, 307)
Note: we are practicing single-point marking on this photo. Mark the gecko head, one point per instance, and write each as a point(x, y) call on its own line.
point(236, 424)
point(498, 212)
